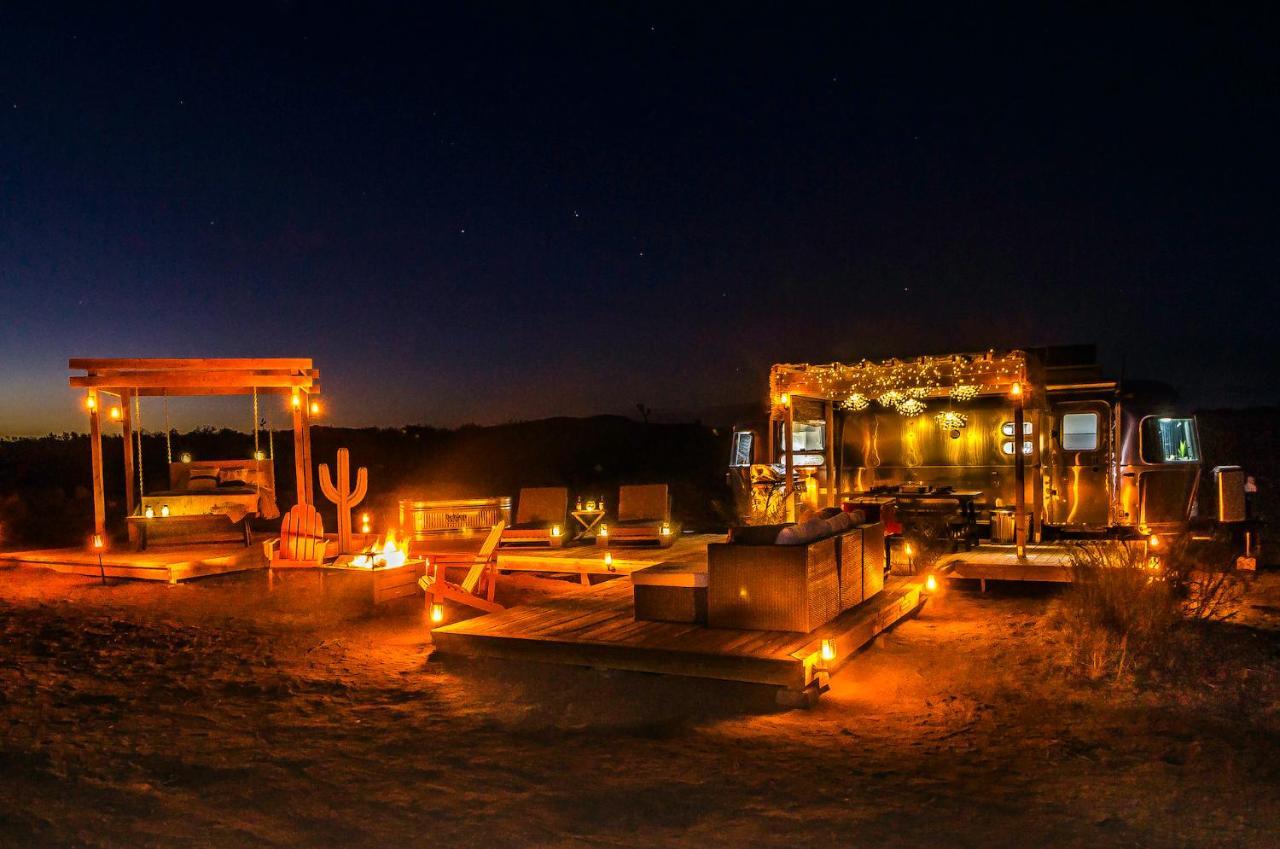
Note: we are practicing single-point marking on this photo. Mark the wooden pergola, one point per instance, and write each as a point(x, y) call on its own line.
point(128, 379)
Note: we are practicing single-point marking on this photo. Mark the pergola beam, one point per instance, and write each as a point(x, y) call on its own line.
point(164, 379)
point(189, 364)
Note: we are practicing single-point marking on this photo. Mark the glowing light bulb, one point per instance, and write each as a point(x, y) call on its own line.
point(785, 399)
point(297, 401)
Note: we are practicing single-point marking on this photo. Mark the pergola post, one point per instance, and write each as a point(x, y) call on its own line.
point(126, 432)
point(306, 448)
point(95, 453)
point(301, 473)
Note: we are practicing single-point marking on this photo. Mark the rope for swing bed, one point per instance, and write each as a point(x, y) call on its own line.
point(137, 418)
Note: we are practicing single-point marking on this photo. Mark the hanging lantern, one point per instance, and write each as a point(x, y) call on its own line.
point(297, 400)
point(315, 408)
point(891, 399)
point(964, 392)
point(185, 457)
point(911, 407)
point(91, 402)
point(115, 413)
point(857, 402)
point(1016, 389)
point(437, 611)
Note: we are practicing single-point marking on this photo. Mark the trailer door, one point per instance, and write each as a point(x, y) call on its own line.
point(1077, 495)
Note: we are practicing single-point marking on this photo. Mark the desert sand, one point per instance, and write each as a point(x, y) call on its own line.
point(216, 714)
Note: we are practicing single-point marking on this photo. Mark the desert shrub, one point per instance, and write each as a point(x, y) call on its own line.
point(1117, 614)
point(1126, 612)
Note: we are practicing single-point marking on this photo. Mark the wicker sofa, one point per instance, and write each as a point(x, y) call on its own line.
point(753, 582)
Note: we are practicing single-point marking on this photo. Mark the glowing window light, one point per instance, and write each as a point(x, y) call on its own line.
point(1006, 447)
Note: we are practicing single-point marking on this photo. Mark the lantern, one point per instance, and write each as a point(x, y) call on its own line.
point(437, 611)
point(1016, 389)
point(665, 530)
point(315, 408)
point(115, 414)
point(149, 512)
point(931, 583)
point(364, 523)
point(604, 530)
point(297, 401)
point(608, 561)
point(556, 531)
point(98, 544)
point(186, 457)
point(828, 651)
point(785, 399)
point(91, 402)
point(164, 510)
point(259, 455)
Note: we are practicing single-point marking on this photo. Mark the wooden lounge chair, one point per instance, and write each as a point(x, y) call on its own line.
point(301, 544)
point(483, 570)
point(644, 516)
point(540, 517)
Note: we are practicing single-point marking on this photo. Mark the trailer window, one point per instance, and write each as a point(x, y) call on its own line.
point(1080, 432)
point(1007, 447)
point(1167, 440)
point(1007, 429)
point(743, 441)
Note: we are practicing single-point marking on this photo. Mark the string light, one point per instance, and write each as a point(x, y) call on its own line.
point(912, 407)
point(890, 400)
point(856, 402)
point(951, 420)
point(964, 392)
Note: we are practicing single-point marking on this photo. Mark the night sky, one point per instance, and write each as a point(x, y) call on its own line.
point(491, 212)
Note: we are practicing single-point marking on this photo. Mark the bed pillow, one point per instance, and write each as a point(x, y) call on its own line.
point(202, 482)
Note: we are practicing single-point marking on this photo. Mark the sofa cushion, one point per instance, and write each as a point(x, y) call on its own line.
point(803, 533)
point(839, 523)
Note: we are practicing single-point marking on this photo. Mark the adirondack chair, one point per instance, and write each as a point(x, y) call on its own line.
point(484, 569)
point(644, 515)
point(301, 544)
point(540, 517)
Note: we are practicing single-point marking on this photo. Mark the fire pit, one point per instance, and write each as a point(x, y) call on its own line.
point(381, 573)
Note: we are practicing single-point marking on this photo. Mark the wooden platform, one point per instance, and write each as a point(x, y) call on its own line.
point(587, 560)
point(157, 564)
point(1050, 563)
point(596, 627)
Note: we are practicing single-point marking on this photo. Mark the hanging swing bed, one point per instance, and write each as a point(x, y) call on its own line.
point(206, 500)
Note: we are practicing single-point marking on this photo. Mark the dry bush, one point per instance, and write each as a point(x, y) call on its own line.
point(1118, 614)
point(1126, 613)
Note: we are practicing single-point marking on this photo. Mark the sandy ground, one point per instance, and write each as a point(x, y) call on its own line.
point(214, 714)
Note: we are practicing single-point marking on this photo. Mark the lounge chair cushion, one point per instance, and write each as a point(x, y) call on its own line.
point(530, 526)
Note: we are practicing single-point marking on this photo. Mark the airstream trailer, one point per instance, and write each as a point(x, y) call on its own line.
point(1028, 444)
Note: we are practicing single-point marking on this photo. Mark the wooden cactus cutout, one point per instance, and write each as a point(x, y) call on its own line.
point(345, 498)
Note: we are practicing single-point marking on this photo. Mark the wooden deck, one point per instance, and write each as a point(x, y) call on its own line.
point(156, 564)
point(596, 627)
point(1046, 562)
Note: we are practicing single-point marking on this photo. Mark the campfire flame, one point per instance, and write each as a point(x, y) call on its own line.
point(383, 554)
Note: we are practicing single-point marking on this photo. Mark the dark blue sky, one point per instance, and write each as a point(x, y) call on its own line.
point(495, 211)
